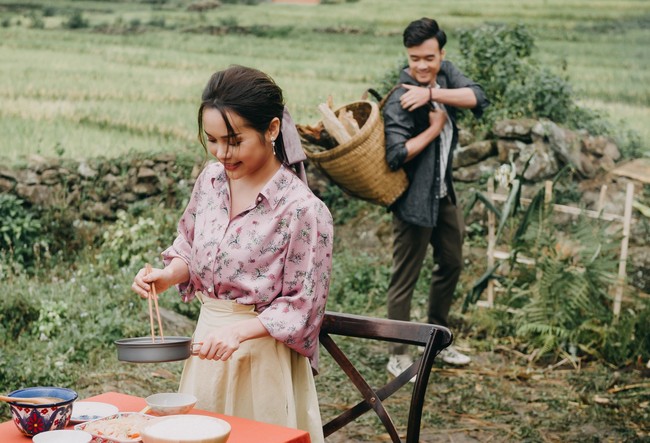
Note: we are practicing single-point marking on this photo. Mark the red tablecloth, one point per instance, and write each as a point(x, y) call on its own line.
point(243, 430)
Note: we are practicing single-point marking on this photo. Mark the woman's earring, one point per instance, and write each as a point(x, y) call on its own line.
point(273, 144)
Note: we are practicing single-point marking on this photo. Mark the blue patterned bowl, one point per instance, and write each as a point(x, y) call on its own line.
point(31, 419)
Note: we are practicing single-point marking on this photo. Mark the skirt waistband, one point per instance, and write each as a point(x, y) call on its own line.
point(227, 306)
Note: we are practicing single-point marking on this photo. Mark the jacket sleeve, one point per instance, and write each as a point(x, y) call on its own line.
point(398, 129)
point(456, 79)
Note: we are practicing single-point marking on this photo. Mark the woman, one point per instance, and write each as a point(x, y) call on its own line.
point(254, 246)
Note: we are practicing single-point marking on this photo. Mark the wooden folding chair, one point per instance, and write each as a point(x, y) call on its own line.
point(433, 338)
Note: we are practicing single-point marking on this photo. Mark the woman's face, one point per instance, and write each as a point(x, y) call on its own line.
point(246, 155)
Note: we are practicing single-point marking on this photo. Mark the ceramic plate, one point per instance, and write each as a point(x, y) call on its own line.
point(62, 436)
point(123, 427)
point(83, 411)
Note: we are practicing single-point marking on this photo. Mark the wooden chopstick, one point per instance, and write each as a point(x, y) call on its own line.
point(153, 295)
point(147, 271)
point(155, 300)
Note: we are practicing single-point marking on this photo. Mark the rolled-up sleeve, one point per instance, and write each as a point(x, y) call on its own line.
point(456, 79)
point(295, 317)
point(182, 245)
point(398, 129)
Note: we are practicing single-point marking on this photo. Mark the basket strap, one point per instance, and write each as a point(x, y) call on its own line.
point(378, 96)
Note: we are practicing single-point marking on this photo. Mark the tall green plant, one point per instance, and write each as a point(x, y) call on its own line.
point(568, 301)
point(21, 242)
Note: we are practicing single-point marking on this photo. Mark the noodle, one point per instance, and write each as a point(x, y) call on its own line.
point(121, 427)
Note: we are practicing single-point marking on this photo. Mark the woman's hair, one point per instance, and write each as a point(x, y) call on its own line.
point(420, 30)
point(249, 93)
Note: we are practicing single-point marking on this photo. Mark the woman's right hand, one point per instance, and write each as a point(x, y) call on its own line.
point(142, 281)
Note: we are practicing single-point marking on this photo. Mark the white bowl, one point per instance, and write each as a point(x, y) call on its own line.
point(62, 436)
point(186, 429)
point(83, 411)
point(170, 403)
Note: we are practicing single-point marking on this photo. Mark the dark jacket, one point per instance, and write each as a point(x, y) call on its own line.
point(419, 205)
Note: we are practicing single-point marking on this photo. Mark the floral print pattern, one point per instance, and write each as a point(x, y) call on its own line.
point(276, 254)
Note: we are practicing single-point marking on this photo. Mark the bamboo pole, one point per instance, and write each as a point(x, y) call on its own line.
point(627, 220)
point(491, 246)
point(568, 209)
point(601, 199)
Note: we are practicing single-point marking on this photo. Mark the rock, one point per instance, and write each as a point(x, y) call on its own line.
point(86, 171)
point(541, 163)
point(637, 169)
point(519, 129)
point(601, 146)
point(145, 189)
point(50, 176)
point(465, 137)
point(98, 211)
point(129, 197)
point(6, 185)
point(27, 177)
point(508, 150)
point(167, 157)
point(35, 194)
point(475, 172)
point(566, 144)
point(8, 174)
point(474, 153)
point(146, 174)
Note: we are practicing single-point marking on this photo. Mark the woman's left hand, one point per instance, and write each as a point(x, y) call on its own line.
point(222, 342)
point(219, 344)
point(414, 97)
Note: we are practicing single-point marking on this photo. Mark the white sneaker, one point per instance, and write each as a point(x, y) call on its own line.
point(399, 363)
point(453, 357)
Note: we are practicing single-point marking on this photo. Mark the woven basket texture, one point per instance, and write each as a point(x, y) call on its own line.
point(359, 165)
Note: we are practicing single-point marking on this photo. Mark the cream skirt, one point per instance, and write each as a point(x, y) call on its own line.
point(263, 380)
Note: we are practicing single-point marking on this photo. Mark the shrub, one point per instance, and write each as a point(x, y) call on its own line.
point(359, 283)
point(76, 21)
point(17, 315)
point(342, 206)
point(21, 241)
point(134, 241)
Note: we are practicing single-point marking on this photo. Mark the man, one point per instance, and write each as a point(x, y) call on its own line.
point(421, 134)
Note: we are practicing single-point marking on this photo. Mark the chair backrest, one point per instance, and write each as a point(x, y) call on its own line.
point(433, 338)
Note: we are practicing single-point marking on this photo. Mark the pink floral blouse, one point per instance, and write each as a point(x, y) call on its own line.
point(276, 255)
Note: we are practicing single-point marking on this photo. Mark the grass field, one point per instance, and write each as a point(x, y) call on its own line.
point(130, 77)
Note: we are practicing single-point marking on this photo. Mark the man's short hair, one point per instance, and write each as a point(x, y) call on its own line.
point(420, 30)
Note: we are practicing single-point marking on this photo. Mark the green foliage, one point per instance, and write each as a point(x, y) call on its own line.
point(134, 240)
point(16, 316)
point(36, 21)
point(343, 207)
point(76, 20)
point(562, 306)
point(359, 283)
point(499, 58)
point(21, 242)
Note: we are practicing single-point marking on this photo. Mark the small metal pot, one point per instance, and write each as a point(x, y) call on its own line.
point(145, 350)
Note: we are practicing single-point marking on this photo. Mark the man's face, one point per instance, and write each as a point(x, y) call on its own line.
point(425, 60)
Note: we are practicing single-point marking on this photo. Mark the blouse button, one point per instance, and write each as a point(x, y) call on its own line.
point(259, 199)
point(210, 289)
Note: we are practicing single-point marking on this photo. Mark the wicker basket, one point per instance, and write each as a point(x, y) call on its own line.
point(359, 165)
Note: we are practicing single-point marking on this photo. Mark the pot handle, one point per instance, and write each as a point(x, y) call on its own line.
point(195, 351)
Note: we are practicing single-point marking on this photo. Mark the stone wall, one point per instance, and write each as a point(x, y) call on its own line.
point(97, 188)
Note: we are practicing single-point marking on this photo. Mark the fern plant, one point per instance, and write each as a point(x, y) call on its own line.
point(568, 306)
